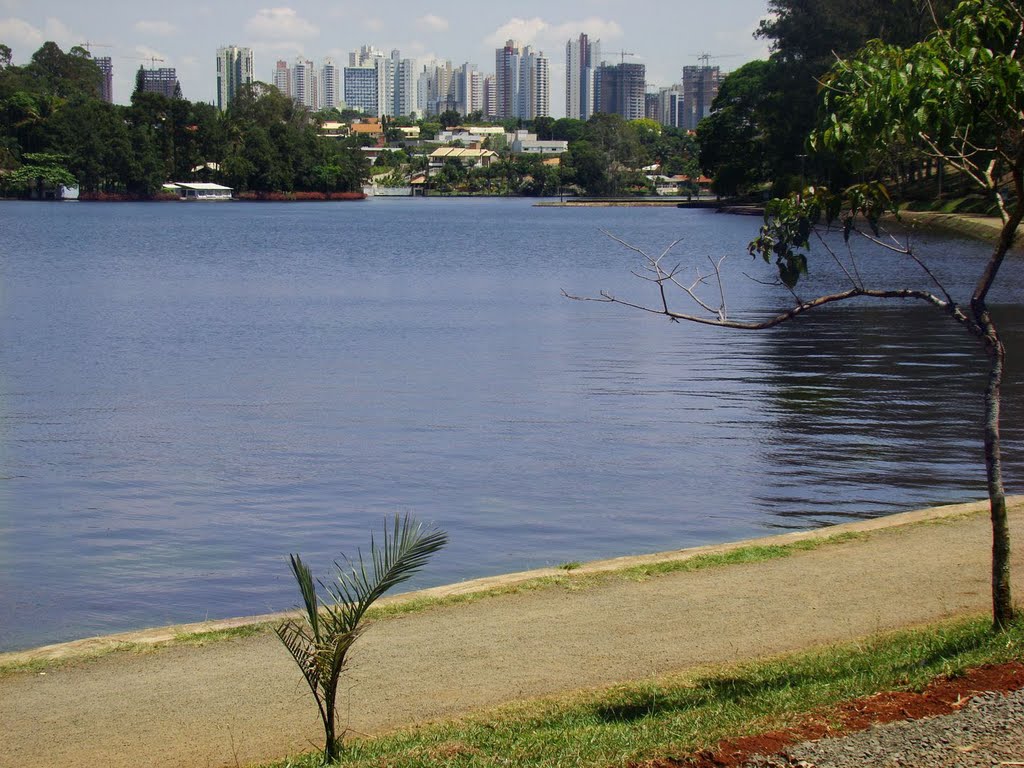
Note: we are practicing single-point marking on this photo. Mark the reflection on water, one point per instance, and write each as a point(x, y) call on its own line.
point(189, 393)
point(880, 397)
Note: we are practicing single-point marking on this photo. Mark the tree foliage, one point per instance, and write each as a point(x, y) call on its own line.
point(778, 100)
point(956, 96)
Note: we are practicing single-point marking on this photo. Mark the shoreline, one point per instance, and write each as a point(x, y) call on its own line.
point(167, 635)
point(237, 699)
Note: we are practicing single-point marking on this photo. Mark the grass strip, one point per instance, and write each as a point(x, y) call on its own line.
point(675, 716)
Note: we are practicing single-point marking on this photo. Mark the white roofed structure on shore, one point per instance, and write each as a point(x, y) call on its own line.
point(200, 190)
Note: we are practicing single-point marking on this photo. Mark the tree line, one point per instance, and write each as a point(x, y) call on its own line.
point(53, 126)
point(757, 133)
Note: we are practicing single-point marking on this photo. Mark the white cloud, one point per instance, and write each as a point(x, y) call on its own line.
point(373, 24)
point(544, 34)
point(280, 24)
point(59, 32)
point(157, 28)
point(526, 31)
point(19, 35)
point(285, 49)
point(25, 38)
point(436, 23)
point(154, 58)
point(595, 28)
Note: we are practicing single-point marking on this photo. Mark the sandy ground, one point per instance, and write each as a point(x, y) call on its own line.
point(243, 701)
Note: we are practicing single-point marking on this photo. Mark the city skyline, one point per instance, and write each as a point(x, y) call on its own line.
point(187, 36)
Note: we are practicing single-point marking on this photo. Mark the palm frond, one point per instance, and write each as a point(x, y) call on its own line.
point(402, 553)
point(302, 647)
point(319, 642)
point(304, 578)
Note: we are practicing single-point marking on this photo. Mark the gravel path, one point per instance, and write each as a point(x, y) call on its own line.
point(987, 732)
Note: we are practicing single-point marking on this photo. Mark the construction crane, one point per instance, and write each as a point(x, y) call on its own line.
point(89, 46)
point(706, 57)
point(152, 59)
point(623, 55)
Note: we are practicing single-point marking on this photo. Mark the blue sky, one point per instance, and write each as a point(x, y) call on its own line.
point(186, 34)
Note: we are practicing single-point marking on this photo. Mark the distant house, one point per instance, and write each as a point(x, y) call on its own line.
point(371, 127)
point(199, 190)
point(473, 137)
point(333, 130)
point(675, 185)
point(526, 143)
point(474, 158)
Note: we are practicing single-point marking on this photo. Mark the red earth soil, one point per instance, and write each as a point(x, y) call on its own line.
point(942, 696)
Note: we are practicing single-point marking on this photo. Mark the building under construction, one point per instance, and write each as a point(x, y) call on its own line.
point(700, 87)
point(163, 81)
point(621, 89)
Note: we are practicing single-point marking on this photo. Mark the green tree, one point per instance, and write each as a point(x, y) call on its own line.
point(588, 167)
point(736, 139)
point(65, 74)
point(805, 36)
point(449, 118)
point(40, 172)
point(959, 95)
point(321, 639)
point(568, 129)
point(544, 127)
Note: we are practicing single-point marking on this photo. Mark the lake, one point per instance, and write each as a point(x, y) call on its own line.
point(190, 392)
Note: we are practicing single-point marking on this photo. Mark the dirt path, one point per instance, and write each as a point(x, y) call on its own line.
point(243, 701)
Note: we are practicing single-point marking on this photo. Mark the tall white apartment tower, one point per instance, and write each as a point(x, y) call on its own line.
point(539, 83)
point(406, 96)
point(304, 85)
point(234, 69)
point(522, 82)
point(329, 85)
point(283, 78)
point(582, 57)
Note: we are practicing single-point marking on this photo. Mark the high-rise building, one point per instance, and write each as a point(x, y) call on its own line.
point(106, 66)
point(465, 93)
point(490, 97)
point(522, 82)
point(670, 106)
point(329, 86)
point(163, 81)
point(620, 89)
point(283, 78)
point(582, 57)
point(700, 87)
point(304, 85)
point(363, 56)
point(652, 107)
point(234, 70)
point(406, 93)
point(435, 88)
point(362, 90)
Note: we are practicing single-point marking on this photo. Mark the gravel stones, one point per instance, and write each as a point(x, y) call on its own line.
point(988, 731)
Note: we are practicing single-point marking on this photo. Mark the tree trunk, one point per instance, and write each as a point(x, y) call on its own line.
point(332, 749)
point(1002, 602)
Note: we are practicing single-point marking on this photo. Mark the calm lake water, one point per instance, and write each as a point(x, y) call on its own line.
point(188, 393)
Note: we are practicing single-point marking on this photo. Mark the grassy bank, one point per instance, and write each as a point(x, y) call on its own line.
point(675, 716)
